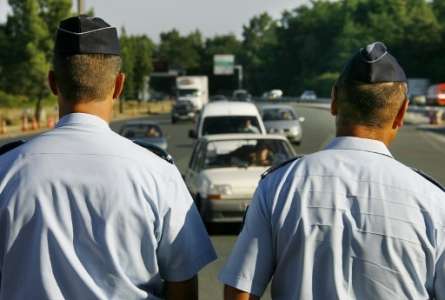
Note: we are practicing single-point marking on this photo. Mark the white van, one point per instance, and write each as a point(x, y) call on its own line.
point(225, 117)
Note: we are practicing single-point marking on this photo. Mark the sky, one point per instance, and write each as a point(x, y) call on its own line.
point(152, 17)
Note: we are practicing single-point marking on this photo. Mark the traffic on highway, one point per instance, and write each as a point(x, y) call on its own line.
point(154, 150)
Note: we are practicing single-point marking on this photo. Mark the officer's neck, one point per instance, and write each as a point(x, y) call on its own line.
point(102, 109)
point(384, 135)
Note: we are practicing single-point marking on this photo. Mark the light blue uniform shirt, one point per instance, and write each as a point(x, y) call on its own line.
point(87, 214)
point(348, 222)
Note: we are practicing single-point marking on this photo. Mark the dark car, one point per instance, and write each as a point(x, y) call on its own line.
point(183, 110)
point(144, 131)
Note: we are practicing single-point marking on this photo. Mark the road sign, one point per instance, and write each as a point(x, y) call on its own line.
point(223, 64)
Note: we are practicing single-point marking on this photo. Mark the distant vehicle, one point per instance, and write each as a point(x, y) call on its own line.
point(417, 90)
point(218, 98)
point(144, 132)
point(156, 150)
point(283, 120)
point(224, 117)
point(194, 89)
point(273, 95)
point(242, 96)
point(436, 94)
point(308, 95)
point(224, 171)
point(183, 110)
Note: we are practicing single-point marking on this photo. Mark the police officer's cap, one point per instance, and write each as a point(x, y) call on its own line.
point(372, 64)
point(86, 35)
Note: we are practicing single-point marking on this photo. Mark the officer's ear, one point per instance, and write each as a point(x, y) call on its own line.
point(334, 100)
point(398, 121)
point(52, 82)
point(119, 85)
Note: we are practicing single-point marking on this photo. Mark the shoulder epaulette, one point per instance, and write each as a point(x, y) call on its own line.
point(429, 178)
point(10, 146)
point(274, 168)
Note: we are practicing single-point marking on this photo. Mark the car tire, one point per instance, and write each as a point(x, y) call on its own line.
point(174, 120)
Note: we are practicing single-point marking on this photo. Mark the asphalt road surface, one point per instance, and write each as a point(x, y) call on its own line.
point(414, 147)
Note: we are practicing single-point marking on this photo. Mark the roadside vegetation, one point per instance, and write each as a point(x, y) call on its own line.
point(304, 49)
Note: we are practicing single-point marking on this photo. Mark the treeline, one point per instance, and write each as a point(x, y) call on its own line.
point(305, 48)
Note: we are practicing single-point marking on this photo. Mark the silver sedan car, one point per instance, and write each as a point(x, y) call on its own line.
point(283, 119)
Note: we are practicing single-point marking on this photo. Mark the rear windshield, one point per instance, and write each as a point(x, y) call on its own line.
point(231, 124)
point(278, 114)
point(138, 131)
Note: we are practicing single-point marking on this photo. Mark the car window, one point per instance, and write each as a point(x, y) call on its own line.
point(230, 124)
point(192, 162)
point(136, 131)
point(278, 114)
point(245, 153)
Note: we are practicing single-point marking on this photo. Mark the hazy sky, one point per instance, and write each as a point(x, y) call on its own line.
point(154, 16)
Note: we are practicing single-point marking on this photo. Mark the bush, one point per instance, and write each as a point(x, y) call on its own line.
point(322, 84)
point(10, 101)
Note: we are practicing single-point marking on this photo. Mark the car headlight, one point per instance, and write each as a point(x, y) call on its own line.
point(295, 130)
point(217, 191)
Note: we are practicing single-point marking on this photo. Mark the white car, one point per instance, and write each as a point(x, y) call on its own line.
point(283, 119)
point(308, 95)
point(225, 117)
point(224, 171)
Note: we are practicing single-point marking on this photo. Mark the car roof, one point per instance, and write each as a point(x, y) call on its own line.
point(230, 108)
point(276, 106)
point(141, 122)
point(242, 136)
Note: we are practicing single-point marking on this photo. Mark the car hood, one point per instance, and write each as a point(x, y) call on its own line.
point(281, 124)
point(160, 142)
point(243, 181)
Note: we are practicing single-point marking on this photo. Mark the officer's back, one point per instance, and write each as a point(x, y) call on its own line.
point(350, 221)
point(86, 213)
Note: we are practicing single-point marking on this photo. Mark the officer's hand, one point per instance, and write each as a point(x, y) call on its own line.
point(231, 293)
point(183, 290)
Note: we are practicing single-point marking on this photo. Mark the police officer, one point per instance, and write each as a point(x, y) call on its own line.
point(350, 221)
point(86, 213)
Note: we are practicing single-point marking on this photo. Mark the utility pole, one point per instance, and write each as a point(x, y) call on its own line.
point(80, 7)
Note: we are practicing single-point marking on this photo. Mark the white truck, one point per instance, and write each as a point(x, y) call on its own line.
point(194, 89)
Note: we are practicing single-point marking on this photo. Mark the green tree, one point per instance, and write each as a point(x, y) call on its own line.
point(25, 64)
point(137, 52)
point(181, 52)
point(259, 43)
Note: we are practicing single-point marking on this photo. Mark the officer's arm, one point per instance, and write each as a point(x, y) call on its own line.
point(182, 290)
point(231, 293)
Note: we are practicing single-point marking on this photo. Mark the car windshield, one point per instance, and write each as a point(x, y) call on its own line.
point(278, 114)
point(138, 131)
point(246, 153)
point(230, 124)
point(187, 92)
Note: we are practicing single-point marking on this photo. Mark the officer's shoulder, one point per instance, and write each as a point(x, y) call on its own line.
point(11, 146)
point(279, 166)
point(429, 178)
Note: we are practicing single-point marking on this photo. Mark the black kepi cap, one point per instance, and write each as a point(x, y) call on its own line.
point(373, 64)
point(86, 35)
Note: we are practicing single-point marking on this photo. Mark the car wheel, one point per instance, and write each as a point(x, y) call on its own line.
point(174, 120)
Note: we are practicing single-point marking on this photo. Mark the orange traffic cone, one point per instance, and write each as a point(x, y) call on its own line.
point(3, 129)
point(34, 124)
point(25, 125)
point(50, 122)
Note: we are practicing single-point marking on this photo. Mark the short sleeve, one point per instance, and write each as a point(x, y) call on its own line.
point(184, 247)
point(250, 265)
point(439, 278)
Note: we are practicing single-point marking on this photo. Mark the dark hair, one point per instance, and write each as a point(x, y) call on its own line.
point(371, 105)
point(85, 77)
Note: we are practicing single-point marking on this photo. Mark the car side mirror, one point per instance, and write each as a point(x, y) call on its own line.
point(192, 134)
point(301, 119)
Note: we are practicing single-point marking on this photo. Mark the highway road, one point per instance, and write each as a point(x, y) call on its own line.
point(414, 147)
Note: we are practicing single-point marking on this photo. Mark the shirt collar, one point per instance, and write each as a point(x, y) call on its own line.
point(358, 144)
point(82, 119)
